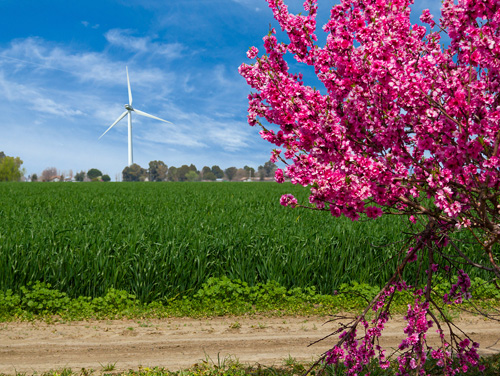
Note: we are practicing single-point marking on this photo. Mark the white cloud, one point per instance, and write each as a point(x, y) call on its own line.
point(294, 6)
point(230, 136)
point(249, 4)
point(221, 77)
point(87, 24)
point(194, 130)
point(84, 66)
point(124, 38)
point(37, 99)
point(188, 88)
point(51, 107)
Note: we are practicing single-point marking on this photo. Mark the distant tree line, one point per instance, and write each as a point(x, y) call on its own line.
point(50, 174)
point(159, 171)
point(92, 175)
point(10, 170)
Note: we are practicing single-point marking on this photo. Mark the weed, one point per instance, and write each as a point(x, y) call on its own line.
point(235, 325)
point(108, 367)
point(86, 372)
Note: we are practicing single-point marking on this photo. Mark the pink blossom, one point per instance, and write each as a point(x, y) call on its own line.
point(252, 52)
point(427, 17)
point(275, 154)
point(278, 176)
point(288, 200)
point(373, 212)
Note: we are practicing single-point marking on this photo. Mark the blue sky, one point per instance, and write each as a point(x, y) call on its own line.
point(63, 81)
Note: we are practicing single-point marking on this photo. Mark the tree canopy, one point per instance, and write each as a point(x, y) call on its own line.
point(403, 125)
point(230, 172)
point(157, 171)
point(134, 173)
point(217, 171)
point(80, 176)
point(10, 168)
point(94, 173)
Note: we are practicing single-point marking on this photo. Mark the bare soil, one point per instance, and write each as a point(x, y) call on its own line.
point(179, 343)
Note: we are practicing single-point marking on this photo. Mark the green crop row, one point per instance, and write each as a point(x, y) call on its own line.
point(161, 240)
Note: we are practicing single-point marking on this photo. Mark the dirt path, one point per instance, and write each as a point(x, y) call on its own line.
point(180, 342)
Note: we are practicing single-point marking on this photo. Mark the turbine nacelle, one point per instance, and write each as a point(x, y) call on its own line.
point(129, 107)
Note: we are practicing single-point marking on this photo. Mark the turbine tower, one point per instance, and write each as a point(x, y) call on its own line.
point(129, 110)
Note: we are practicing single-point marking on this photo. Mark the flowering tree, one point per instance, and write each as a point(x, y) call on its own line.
point(403, 126)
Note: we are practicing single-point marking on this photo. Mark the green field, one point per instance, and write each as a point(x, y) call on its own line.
point(160, 240)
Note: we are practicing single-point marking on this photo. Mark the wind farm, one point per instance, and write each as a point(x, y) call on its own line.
point(129, 109)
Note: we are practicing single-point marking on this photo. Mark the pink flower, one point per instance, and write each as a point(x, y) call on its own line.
point(278, 176)
point(427, 17)
point(275, 154)
point(373, 212)
point(288, 200)
point(252, 52)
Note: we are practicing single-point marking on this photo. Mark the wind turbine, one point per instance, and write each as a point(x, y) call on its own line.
point(129, 110)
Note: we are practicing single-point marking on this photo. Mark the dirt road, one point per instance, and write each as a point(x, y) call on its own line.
point(179, 343)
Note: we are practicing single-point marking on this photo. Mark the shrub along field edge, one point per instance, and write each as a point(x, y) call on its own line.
point(218, 296)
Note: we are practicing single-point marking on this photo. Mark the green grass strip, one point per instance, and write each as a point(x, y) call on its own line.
point(216, 297)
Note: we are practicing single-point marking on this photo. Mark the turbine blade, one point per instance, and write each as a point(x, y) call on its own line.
point(129, 90)
point(151, 116)
point(116, 121)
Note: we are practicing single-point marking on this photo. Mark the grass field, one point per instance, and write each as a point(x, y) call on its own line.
point(159, 240)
